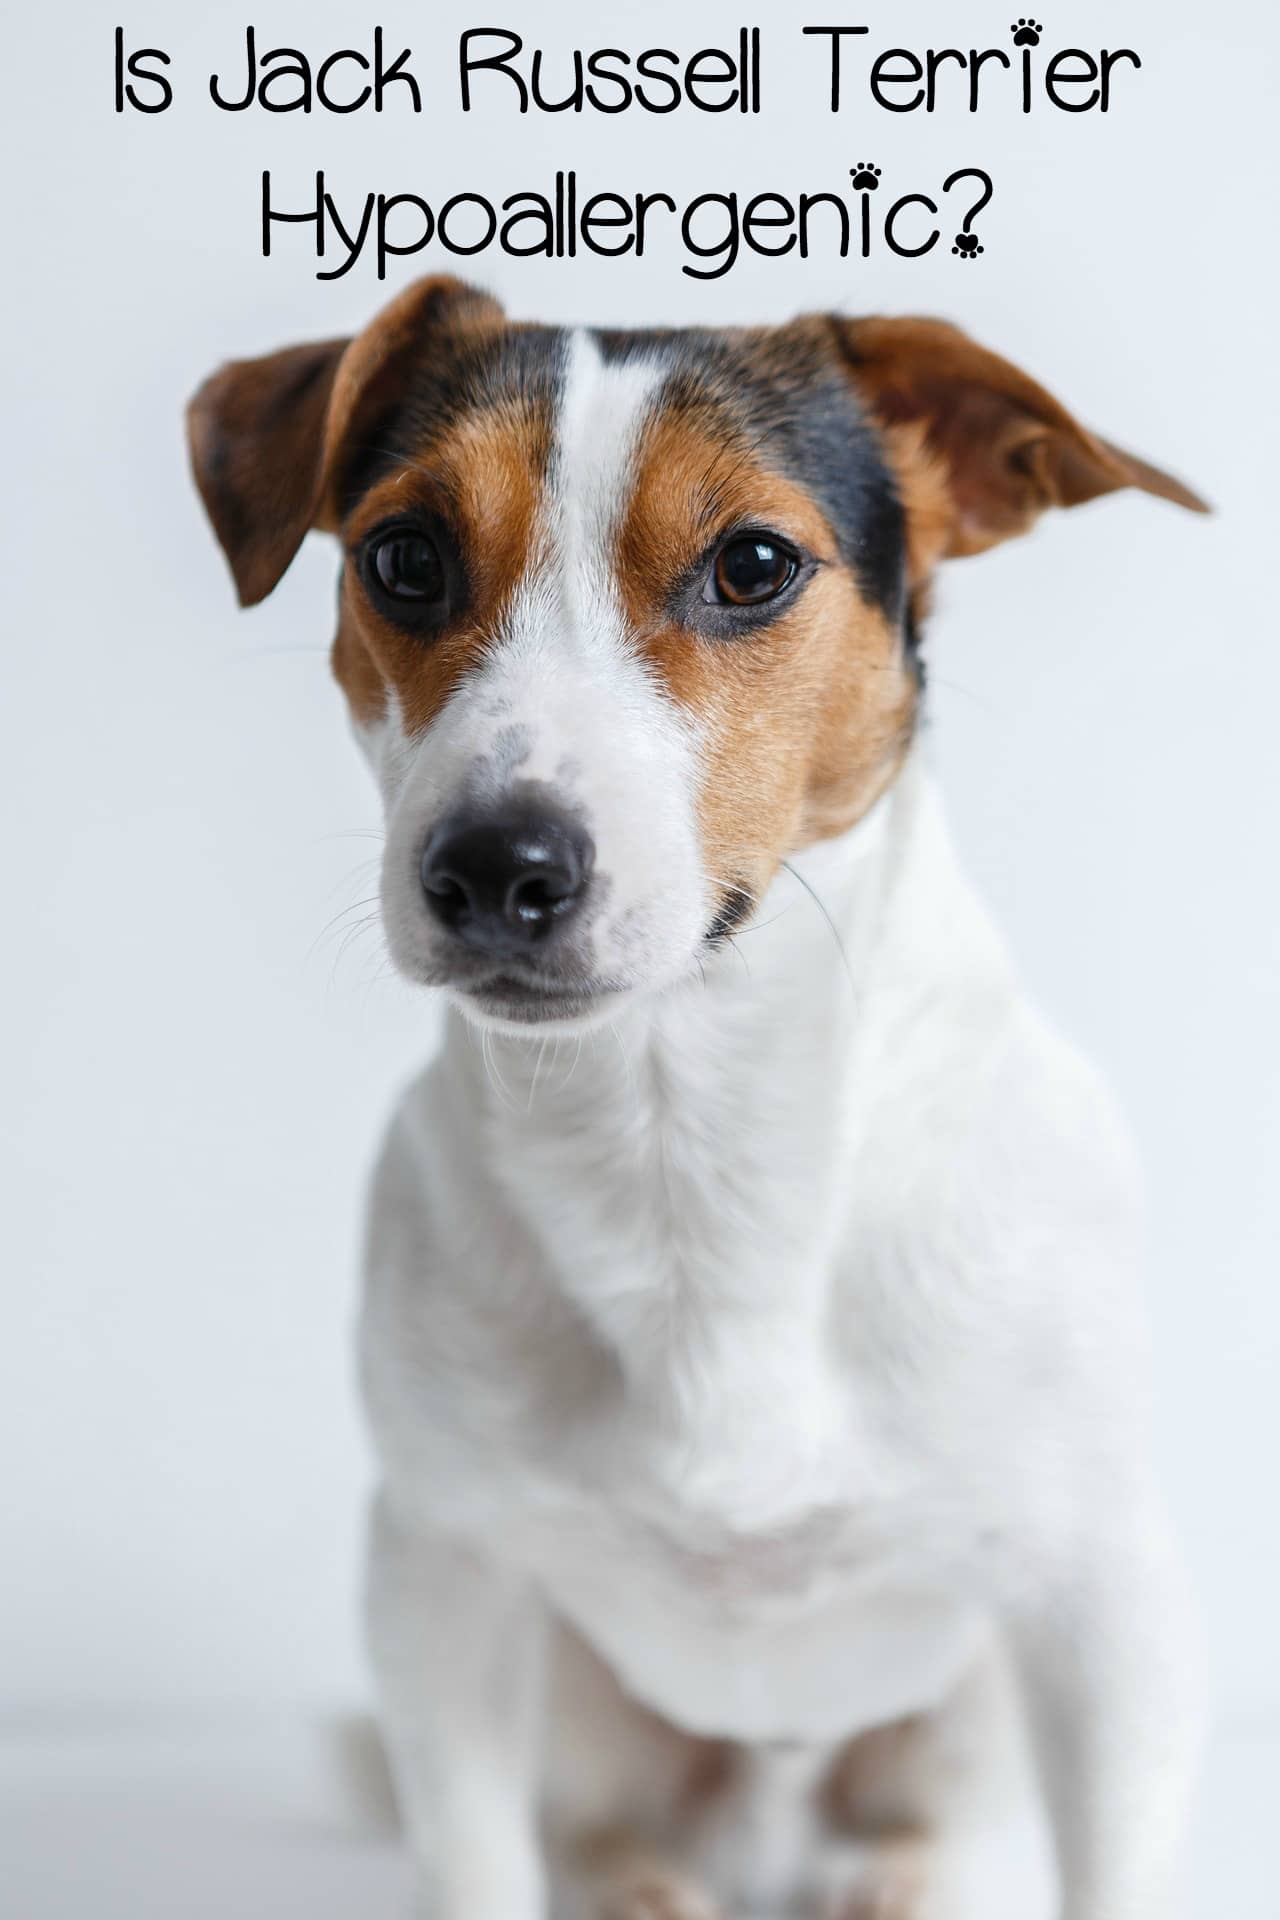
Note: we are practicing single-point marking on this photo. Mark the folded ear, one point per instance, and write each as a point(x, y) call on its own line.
point(255, 431)
point(1000, 448)
point(266, 436)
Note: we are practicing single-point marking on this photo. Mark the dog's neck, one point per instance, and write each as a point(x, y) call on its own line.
point(688, 1171)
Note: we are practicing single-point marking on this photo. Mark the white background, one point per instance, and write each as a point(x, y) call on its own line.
point(197, 1068)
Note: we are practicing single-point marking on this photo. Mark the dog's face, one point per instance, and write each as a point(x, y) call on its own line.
point(624, 618)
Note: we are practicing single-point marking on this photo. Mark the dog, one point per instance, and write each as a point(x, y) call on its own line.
point(752, 1338)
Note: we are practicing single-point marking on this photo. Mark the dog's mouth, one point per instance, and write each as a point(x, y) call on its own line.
point(525, 999)
point(519, 994)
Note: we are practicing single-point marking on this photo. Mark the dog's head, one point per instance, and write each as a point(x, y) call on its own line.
point(625, 618)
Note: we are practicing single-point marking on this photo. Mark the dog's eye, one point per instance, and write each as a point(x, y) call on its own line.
point(749, 570)
point(408, 566)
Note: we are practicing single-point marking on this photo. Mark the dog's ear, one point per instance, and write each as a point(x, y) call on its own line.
point(986, 449)
point(267, 436)
point(256, 433)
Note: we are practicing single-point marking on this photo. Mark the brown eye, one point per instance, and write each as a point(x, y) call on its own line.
point(407, 566)
point(750, 570)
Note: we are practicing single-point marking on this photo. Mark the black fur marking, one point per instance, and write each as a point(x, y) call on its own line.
point(518, 370)
point(738, 905)
point(367, 460)
point(913, 645)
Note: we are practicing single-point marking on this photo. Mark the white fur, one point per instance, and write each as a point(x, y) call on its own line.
point(780, 1342)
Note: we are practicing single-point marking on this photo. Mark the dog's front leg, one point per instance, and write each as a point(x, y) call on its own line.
point(458, 1650)
point(1110, 1661)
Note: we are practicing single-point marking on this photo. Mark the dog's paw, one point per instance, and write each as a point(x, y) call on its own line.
point(1026, 33)
point(967, 246)
point(618, 1878)
point(865, 177)
point(879, 1900)
point(886, 1882)
point(656, 1893)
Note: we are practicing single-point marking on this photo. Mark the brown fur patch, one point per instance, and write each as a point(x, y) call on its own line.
point(802, 721)
point(1007, 447)
point(876, 1788)
point(483, 481)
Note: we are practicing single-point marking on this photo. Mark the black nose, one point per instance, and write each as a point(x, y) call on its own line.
point(504, 882)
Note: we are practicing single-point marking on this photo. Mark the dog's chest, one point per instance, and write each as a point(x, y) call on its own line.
point(750, 1577)
point(665, 1385)
point(785, 1631)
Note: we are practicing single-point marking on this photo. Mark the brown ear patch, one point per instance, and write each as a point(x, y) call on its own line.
point(1007, 448)
point(266, 436)
point(255, 431)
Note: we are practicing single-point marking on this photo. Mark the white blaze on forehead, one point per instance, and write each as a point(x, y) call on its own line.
point(603, 410)
point(564, 664)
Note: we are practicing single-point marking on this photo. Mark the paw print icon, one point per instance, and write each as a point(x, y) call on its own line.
point(967, 246)
point(865, 177)
point(1026, 33)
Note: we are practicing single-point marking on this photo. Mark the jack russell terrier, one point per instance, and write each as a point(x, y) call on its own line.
point(752, 1335)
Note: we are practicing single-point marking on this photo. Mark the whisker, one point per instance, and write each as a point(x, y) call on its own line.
point(537, 1069)
point(357, 875)
point(573, 1068)
point(746, 965)
point(330, 926)
point(625, 1057)
point(957, 686)
point(491, 1062)
point(758, 926)
point(350, 939)
point(822, 909)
